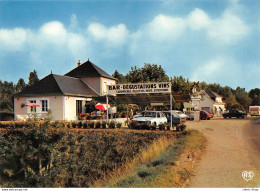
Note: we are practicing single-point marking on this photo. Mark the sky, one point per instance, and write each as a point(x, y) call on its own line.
point(216, 41)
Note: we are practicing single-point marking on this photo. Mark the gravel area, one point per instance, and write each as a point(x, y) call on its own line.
point(233, 147)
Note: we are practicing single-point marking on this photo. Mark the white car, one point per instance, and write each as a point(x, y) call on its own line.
point(152, 117)
point(181, 114)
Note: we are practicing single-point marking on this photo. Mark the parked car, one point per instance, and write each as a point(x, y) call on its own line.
point(190, 115)
point(152, 117)
point(176, 119)
point(205, 115)
point(234, 113)
point(180, 113)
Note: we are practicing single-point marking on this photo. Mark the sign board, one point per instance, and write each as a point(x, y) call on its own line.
point(157, 104)
point(139, 88)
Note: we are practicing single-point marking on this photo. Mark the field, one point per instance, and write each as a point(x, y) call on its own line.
point(43, 155)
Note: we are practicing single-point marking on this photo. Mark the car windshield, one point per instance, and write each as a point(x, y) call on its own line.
point(148, 114)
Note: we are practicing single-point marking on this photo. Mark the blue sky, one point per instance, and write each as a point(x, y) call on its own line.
point(216, 41)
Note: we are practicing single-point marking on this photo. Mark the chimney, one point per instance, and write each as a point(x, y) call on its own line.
point(79, 63)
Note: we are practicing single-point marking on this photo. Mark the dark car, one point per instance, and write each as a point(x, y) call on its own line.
point(176, 119)
point(235, 113)
point(205, 115)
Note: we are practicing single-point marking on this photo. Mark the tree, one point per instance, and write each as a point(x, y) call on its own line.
point(148, 73)
point(7, 90)
point(254, 94)
point(181, 85)
point(242, 97)
point(135, 75)
point(20, 85)
point(33, 78)
point(121, 78)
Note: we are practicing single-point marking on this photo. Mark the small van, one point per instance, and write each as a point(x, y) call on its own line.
point(254, 110)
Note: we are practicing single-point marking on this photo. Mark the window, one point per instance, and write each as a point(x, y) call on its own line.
point(44, 105)
point(78, 107)
point(105, 87)
point(33, 109)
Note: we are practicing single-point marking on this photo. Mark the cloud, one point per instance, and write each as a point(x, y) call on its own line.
point(113, 36)
point(227, 30)
point(164, 28)
point(175, 42)
point(217, 70)
point(53, 32)
point(13, 39)
point(198, 19)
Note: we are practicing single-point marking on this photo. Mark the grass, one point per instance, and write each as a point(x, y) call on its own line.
point(166, 168)
point(146, 155)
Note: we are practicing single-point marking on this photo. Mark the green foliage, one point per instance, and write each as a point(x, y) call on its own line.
point(254, 94)
point(90, 106)
point(121, 78)
point(7, 90)
point(20, 85)
point(48, 154)
point(148, 73)
point(234, 99)
point(243, 98)
point(112, 125)
point(181, 85)
point(33, 78)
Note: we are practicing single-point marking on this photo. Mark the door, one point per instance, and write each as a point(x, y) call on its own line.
point(78, 107)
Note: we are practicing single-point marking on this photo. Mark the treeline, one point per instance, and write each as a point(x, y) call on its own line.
point(237, 98)
point(8, 89)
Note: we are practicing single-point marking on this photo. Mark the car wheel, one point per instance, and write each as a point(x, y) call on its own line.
point(225, 117)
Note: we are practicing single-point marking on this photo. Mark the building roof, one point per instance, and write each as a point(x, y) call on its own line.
point(54, 84)
point(212, 94)
point(88, 69)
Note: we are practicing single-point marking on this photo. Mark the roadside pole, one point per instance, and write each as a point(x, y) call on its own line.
point(107, 106)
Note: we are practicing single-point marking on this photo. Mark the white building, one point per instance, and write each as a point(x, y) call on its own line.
point(64, 95)
point(206, 100)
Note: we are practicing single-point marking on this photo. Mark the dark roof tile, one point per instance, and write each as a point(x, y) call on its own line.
point(88, 69)
point(58, 85)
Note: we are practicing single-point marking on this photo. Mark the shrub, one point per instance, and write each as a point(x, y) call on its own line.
point(182, 127)
point(146, 126)
point(98, 125)
point(153, 127)
point(133, 124)
point(79, 125)
point(91, 124)
point(104, 124)
point(74, 125)
point(161, 126)
point(85, 125)
point(112, 125)
point(118, 125)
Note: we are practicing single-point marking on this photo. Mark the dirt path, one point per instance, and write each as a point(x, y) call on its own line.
point(230, 151)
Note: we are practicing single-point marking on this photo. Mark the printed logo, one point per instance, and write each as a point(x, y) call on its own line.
point(247, 175)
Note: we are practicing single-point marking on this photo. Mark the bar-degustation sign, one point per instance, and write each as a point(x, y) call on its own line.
point(139, 88)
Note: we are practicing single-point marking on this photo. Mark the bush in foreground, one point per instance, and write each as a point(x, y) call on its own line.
point(47, 155)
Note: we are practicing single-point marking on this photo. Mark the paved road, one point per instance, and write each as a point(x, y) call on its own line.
point(233, 147)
